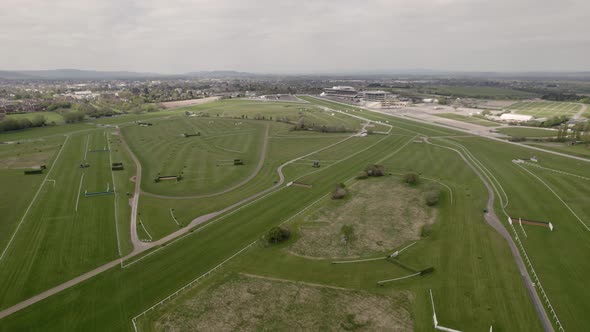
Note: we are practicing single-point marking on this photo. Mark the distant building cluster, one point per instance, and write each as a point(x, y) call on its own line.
point(81, 95)
point(511, 117)
point(349, 92)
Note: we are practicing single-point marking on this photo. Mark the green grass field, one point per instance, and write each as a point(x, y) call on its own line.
point(481, 92)
point(468, 119)
point(528, 132)
point(542, 109)
point(50, 116)
point(475, 281)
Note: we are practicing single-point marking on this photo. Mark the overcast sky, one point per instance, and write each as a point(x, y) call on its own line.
point(299, 36)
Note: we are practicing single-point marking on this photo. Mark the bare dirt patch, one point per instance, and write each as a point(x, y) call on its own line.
point(189, 102)
point(384, 213)
point(259, 304)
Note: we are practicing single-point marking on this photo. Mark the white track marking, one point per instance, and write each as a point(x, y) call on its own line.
point(79, 191)
point(372, 259)
point(145, 230)
point(433, 180)
point(436, 326)
point(86, 151)
point(115, 193)
point(134, 319)
point(523, 231)
point(556, 195)
point(360, 260)
point(173, 217)
point(557, 171)
point(34, 199)
point(517, 238)
point(400, 278)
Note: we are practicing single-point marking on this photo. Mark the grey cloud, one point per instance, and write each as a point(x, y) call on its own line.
point(294, 36)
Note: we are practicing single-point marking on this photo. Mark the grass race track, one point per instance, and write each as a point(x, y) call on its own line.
point(468, 119)
point(475, 281)
point(528, 132)
point(542, 109)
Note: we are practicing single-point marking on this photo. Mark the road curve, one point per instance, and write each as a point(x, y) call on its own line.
point(493, 220)
point(138, 245)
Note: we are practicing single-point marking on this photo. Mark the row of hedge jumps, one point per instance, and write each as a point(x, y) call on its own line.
point(521, 222)
point(168, 177)
point(100, 193)
point(36, 170)
point(230, 162)
point(117, 166)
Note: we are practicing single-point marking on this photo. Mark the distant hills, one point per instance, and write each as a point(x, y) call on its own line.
point(71, 74)
point(77, 74)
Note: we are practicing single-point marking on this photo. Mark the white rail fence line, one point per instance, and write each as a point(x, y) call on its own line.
point(167, 298)
point(173, 217)
point(536, 278)
point(538, 282)
point(556, 171)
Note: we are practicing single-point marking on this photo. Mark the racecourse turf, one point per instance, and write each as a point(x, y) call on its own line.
point(476, 283)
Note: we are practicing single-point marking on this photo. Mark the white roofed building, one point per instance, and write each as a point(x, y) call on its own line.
point(512, 117)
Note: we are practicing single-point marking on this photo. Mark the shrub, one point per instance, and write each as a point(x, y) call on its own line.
point(348, 234)
point(517, 139)
point(426, 229)
point(339, 192)
point(71, 117)
point(411, 178)
point(276, 235)
point(432, 194)
point(431, 197)
point(375, 170)
point(362, 175)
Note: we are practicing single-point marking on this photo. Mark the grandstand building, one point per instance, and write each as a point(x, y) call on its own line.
point(340, 91)
point(375, 95)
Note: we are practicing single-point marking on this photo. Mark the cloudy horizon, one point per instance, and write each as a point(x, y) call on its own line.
point(179, 36)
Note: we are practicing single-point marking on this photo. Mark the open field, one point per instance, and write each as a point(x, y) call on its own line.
point(61, 222)
point(542, 109)
point(190, 102)
point(528, 132)
point(251, 303)
point(468, 119)
point(481, 92)
point(471, 291)
point(580, 150)
point(50, 116)
point(207, 163)
point(384, 213)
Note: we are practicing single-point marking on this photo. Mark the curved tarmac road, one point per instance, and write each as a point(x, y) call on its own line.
point(493, 220)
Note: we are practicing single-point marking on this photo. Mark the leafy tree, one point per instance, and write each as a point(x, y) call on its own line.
point(276, 235)
point(339, 191)
point(38, 120)
point(72, 117)
point(432, 194)
point(411, 178)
